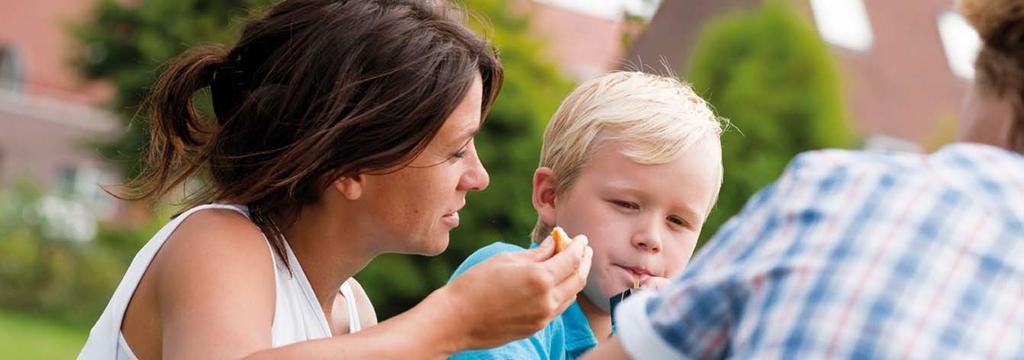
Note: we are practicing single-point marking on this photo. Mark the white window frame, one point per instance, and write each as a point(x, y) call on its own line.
point(844, 23)
point(960, 42)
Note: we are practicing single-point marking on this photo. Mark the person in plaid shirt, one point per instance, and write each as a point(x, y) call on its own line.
point(854, 254)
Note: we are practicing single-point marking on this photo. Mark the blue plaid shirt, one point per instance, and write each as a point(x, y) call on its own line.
point(854, 255)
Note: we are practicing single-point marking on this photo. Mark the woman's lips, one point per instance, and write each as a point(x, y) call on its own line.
point(451, 220)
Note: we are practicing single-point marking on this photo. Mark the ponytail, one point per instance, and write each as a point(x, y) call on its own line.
point(179, 135)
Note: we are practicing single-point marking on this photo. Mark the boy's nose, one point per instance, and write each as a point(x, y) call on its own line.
point(648, 240)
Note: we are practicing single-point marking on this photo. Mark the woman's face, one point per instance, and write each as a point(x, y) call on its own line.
point(414, 208)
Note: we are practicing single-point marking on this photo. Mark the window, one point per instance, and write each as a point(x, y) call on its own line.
point(11, 73)
point(960, 42)
point(843, 23)
point(67, 180)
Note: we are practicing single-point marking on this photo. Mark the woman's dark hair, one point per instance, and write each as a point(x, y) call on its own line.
point(313, 90)
point(1000, 64)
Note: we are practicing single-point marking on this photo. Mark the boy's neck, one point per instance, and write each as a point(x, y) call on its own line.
point(600, 321)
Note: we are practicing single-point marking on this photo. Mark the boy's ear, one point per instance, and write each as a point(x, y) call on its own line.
point(544, 194)
point(350, 187)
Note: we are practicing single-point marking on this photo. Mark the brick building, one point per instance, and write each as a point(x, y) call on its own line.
point(906, 64)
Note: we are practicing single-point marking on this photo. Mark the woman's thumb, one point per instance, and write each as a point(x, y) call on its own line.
point(544, 251)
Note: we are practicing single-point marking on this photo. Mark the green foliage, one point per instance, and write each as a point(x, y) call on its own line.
point(42, 272)
point(769, 73)
point(127, 43)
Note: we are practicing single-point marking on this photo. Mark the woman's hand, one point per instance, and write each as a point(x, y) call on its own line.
point(513, 295)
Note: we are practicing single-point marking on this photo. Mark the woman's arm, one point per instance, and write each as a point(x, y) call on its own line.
point(507, 297)
point(215, 305)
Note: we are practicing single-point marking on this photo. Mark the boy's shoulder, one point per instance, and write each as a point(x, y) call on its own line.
point(548, 343)
point(485, 253)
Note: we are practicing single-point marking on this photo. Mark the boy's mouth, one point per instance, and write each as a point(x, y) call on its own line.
point(638, 274)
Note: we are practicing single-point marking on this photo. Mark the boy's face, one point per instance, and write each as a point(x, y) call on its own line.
point(643, 221)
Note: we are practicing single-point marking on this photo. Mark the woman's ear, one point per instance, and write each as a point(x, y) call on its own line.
point(544, 194)
point(351, 187)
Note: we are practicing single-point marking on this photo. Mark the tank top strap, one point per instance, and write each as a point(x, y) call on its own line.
point(350, 304)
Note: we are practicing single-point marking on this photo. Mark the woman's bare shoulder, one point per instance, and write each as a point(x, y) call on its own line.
point(218, 234)
point(216, 249)
point(215, 276)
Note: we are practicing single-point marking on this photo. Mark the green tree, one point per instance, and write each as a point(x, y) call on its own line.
point(45, 272)
point(769, 73)
point(127, 44)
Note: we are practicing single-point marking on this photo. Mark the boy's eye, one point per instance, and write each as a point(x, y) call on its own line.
point(626, 204)
point(678, 221)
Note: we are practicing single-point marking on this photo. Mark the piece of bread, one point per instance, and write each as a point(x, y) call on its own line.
point(562, 239)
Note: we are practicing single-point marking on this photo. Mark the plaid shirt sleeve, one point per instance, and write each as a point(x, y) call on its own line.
point(854, 255)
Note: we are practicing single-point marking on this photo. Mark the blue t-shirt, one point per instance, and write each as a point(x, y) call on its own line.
point(568, 336)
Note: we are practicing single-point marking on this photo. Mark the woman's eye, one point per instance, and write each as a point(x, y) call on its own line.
point(463, 151)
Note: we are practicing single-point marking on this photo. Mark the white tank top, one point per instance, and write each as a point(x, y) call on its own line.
point(297, 316)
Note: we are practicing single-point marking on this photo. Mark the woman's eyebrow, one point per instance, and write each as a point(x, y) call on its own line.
point(467, 134)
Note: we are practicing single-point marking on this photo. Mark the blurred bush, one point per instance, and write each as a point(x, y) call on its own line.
point(48, 272)
point(768, 72)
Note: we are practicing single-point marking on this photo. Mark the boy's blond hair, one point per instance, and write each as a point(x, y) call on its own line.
point(655, 117)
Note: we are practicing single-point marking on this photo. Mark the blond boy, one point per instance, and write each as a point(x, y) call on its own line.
point(632, 161)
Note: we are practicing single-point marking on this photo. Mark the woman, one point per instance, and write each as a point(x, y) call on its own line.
point(343, 130)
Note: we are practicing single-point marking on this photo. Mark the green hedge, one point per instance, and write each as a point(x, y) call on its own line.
point(41, 272)
point(768, 72)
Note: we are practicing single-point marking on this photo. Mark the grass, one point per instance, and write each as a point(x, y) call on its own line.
point(25, 336)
